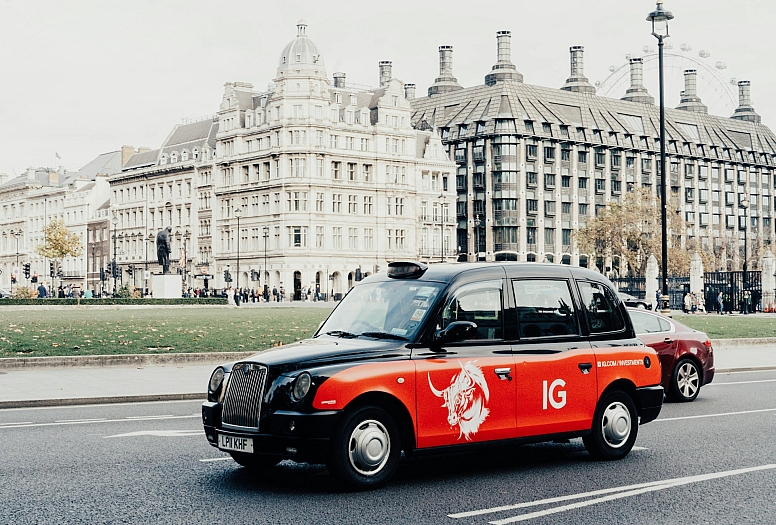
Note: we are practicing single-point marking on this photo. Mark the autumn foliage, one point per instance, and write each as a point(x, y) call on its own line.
point(60, 242)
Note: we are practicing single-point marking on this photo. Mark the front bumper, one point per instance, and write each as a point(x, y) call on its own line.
point(284, 434)
point(650, 400)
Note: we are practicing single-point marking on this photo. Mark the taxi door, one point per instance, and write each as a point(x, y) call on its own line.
point(554, 363)
point(465, 389)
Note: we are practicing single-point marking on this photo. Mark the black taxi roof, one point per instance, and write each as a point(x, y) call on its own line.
point(447, 272)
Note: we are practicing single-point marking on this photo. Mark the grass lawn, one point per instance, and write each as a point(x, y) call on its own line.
point(729, 326)
point(66, 332)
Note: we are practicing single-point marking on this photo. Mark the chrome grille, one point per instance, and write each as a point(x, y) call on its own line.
point(242, 402)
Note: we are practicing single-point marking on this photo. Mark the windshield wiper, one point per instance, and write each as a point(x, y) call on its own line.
point(340, 333)
point(384, 335)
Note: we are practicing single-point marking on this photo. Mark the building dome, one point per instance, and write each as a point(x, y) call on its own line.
point(301, 53)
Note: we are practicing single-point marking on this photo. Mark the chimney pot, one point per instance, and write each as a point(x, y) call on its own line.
point(339, 80)
point(385, 72)
point(409, 91)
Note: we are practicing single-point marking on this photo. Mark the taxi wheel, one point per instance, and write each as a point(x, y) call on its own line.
point(254, 461)
point(685, 381)
point(366, 448)
point(615, 425)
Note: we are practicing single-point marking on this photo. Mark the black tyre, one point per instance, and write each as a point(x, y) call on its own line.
point(255, 462)
point(685, 381)
point(366, 448)
point(615, 426)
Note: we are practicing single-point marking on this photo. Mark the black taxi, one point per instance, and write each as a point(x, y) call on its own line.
point(442, 357)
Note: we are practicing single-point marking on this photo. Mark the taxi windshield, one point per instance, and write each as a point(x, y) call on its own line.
point(382, 310)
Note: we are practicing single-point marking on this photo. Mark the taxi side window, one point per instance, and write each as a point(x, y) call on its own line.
point(544, 308)
point(603, 315)
point(645, 323)
point(479, 303)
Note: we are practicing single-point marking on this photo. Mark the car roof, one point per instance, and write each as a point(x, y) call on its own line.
point(447, 272)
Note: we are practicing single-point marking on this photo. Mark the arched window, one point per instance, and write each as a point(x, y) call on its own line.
point(185, 154)
point(195, 153)
point(174, 157)
point(163, 160)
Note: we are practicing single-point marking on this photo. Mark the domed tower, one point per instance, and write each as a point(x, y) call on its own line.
point(300, 59)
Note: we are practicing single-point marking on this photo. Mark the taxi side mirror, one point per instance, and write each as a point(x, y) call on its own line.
point(456, 331)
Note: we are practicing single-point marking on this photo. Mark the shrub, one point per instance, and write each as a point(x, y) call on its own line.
point(22, 292)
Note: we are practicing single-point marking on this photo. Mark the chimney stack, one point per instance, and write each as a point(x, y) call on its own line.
point(745, 111)
point(690, 101)
point(637, 92)
point(409, 91)
point(504, 69)
point(445, 82)
point(385, 72)
point(339, 80)
point(577, 81)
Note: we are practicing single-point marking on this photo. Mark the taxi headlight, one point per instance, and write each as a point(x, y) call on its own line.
point(216, 380)
point(301, 386)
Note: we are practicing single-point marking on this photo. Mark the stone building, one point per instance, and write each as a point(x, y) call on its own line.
point(330, 180)
point(536, 163)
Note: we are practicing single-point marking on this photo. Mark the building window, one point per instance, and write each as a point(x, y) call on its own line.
point(336, 237)
point(336, 203)
point(336, 170)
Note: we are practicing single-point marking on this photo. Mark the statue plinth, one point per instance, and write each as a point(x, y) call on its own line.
point(166, 286)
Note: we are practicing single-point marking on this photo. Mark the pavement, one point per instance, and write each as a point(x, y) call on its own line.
point(51, 381)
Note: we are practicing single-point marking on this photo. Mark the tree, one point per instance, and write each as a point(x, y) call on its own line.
point(631, 231)
point(60, 242)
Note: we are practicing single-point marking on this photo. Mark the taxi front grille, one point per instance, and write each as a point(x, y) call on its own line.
point(242, 402)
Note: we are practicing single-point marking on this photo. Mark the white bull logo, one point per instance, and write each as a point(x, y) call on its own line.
point(465, 399)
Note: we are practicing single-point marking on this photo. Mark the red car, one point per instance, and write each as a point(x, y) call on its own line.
point(685, 354)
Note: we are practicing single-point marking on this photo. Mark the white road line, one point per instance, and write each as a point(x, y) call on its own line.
point(215, 459)
point(159, 433)
point(616, 492)
point(135, 418)
point(741, 382)
point(88, 421)
point(716, 415)
point(18, 423)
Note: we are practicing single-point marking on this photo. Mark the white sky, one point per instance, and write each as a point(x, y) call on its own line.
point(83, 77)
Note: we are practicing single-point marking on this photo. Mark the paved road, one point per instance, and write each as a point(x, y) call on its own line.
point(150, 463)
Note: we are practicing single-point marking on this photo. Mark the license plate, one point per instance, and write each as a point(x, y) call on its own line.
point(238, 444)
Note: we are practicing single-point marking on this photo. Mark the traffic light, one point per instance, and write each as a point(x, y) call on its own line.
point(102, 274)
point(60, 273)
point(26, 270)
point(359, 276)
point(13, 278)
point(51, 268)
point(227, 276)
point(130, 269)
point(35, 277)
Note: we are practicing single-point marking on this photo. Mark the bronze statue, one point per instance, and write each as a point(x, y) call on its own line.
point(163, 248)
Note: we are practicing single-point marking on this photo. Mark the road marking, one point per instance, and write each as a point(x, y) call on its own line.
point(613, 494)
point(717, 415)
point(741, 382)
point(90, 421)
point(18, 423)
point(215, 459)
point(159, 433)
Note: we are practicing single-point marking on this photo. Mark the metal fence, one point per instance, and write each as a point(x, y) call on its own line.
point(733, 286)
point(678, 285)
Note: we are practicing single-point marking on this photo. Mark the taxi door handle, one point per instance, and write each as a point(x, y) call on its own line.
point(585, 367)
point(668, 340)
point(504, 373)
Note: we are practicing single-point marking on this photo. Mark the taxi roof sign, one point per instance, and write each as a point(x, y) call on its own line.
point(406, 269)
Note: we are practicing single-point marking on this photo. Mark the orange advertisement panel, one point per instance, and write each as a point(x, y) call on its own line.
point(465, 399)
point(555, 392)
point(627, 363)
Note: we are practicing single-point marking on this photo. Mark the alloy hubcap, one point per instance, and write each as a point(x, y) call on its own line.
point(616, 424)
point(687, 380)
point(369, 447)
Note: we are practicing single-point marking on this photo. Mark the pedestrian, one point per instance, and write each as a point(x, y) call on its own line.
point(748, 300)
point(274, 293)
point(657, 299)
point(282, 293)
point(687, 303)
point(720, 303)
point(693, 302)
point(42, 294)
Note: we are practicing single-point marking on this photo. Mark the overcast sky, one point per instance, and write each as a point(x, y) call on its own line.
point(84, 77)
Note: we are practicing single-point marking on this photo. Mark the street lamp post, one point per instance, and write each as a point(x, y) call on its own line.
point(94, 265)
point(476, 224)
point(442, 226)
point(17, 233)
point(745, 205)
point(114, 266)
point(265, 231)
point(186, 236)
point(659, 18)
point(238, 214)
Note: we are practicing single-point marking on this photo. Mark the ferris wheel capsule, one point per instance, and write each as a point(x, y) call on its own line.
point(686, 47)
point(720, 65)
point(704, 54)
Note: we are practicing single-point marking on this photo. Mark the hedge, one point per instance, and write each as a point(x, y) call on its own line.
point(51, 301)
